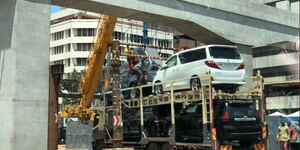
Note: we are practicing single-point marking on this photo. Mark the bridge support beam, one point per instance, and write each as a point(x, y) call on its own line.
point(24, 73)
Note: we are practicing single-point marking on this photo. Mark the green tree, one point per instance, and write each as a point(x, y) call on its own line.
point(71, 101)
point(75, 75)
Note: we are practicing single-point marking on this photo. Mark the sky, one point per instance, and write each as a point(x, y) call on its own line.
point(54, 8)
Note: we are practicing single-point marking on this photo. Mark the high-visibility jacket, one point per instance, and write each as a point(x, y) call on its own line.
point(283, 133)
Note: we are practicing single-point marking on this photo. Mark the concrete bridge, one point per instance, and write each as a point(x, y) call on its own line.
point(24, 48)
point(209, 21)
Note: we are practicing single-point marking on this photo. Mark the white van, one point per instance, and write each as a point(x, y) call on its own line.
point(223, 62)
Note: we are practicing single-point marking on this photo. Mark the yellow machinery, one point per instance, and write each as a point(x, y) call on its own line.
point(95, 63)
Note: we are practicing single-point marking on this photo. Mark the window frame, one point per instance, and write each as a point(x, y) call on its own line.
point(190, 53)
point(175, 56)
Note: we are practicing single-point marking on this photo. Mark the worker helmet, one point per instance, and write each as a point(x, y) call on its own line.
point(126, 51)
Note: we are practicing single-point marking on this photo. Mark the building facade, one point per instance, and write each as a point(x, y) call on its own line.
point(72, 34)
point(279, 65)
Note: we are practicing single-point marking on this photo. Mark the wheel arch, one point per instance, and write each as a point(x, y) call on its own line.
point(157, 81)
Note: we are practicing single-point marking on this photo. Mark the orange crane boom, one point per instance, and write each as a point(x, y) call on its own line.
point(91, 77)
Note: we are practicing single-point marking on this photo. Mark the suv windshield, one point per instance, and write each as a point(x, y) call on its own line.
point(224, 52)
point(191, 109)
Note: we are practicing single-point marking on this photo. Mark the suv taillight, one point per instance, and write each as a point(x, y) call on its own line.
point(242, 66)
point(145, 76)
point(158, 119)
point(212, 64)
point(225, 116)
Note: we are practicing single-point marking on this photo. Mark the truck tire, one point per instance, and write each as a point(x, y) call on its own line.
point(195, 84)
point(98, 145)
point(158, 89)
point(167, 146)
point(154, 146)
point(134, 93)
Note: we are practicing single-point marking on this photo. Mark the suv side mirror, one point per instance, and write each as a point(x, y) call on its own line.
point(164, 66)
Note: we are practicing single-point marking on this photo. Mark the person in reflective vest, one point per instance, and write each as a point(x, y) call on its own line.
point(283, 136)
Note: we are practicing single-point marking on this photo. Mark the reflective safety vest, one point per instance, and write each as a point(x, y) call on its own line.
point(283, 133)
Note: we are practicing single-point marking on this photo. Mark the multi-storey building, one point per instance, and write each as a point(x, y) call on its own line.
point(279, 65)
point(73, 34)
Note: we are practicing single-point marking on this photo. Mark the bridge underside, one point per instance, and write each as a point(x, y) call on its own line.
point(250, 24)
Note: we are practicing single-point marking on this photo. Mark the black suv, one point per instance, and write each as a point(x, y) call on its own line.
point(234, 120)
point(154, 121)
point(189, 124)
point(237, 120)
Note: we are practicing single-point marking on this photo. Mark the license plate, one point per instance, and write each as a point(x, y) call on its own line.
point(245, 119)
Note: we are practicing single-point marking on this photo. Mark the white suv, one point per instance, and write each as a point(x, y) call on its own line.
point(223, 62)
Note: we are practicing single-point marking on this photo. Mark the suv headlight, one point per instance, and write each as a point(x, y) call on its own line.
point(208, 136)
point(170, 132)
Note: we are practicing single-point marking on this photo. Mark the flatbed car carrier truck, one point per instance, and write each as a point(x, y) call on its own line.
point(206, 96)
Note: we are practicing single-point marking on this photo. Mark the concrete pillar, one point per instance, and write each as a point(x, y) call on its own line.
point(283, 5)
point(295, 7)
point(24, 73)
point(246, 52)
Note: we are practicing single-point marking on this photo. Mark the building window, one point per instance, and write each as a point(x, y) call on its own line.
point(83, 46)
point(86, 32)
point(57, 50)
point(91, 32)
point(68, 62)
point(57, 62)
point(119, 35)
point(151, 41)
point(285, 70)
point(271, 50)
point(80, 61)
point(160, 43)
point(136, 38)
point(68, 33)
point(166, 55)
point(57, 35)
point(67, 47)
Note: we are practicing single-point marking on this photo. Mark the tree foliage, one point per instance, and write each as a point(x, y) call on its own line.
point(75, 75)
